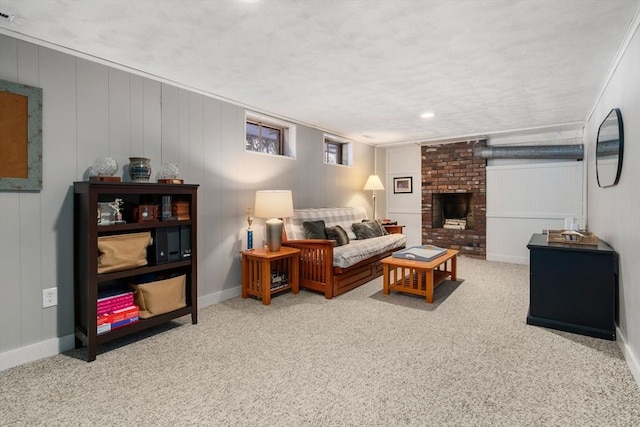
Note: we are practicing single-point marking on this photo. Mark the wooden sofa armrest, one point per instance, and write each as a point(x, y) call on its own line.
point(316, 264)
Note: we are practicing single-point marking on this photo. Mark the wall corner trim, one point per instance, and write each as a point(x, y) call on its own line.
point(629, 356)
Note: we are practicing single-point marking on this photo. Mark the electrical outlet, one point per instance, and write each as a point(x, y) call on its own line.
point(49, 297)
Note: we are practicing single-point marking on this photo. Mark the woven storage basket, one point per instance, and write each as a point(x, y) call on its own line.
point(160, 297)
point(122, 251)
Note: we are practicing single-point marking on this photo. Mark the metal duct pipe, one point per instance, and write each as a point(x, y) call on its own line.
point(575, 151)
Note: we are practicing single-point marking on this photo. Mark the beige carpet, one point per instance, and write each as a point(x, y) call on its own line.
point(361, 359)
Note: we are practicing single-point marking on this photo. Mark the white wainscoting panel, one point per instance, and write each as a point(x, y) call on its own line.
point(412, 226)
point(508, 238)
point(405, 208)
point(525, 199)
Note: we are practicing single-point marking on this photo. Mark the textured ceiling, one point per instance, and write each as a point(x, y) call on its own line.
point(363, 69)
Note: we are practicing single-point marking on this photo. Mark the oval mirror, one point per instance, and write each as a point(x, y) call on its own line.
point(609, 149)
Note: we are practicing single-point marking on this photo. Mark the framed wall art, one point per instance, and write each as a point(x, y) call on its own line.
point(403, 185)
point(20, 137)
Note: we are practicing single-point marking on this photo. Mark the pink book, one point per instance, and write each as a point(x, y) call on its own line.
point(113, 307)
point(116, 299)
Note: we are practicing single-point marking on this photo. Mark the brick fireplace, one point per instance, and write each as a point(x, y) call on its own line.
point(454, 197)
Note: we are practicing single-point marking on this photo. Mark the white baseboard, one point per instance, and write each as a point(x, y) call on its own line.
point(207, 300)
point(629, 356)
point(508, 259)
point(36, 351)
point(51, 347)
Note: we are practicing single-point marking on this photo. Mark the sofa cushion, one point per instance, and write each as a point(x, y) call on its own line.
point(359, 250)
point(338, 234)
point(366, 230)
point(377, 224)
point(314, 229)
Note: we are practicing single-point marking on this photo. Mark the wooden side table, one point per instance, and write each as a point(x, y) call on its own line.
point(393, 229)
point(259, 264)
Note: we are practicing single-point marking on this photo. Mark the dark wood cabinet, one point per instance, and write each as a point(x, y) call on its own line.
point(88, 283)
point(573, 287)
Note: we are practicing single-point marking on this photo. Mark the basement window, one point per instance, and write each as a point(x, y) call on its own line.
point(337, 151)
point(268, 135)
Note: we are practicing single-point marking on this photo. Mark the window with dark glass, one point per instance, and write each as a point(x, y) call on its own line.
point(337, 152)
point(264, 138)
point(333, 152)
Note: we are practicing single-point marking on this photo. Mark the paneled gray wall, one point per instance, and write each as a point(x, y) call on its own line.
point(613, 211)
point(92, 110)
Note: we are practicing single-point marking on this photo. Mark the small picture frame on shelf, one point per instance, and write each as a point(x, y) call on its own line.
point(106, 214)
point(403, 185)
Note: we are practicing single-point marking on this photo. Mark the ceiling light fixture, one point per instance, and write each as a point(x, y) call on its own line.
point(427, 115)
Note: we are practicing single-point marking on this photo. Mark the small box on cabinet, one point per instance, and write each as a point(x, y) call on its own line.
point(144, 213)
point(180, 210)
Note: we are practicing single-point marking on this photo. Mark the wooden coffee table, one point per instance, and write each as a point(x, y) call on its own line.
point(418, 277)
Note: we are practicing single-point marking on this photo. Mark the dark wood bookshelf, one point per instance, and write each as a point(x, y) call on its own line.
point(87, 283)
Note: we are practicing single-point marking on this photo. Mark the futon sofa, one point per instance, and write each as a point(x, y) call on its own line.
point(337, 264)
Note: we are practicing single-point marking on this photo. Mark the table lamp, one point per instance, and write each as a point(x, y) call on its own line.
point(273, 205)
point(373, 183)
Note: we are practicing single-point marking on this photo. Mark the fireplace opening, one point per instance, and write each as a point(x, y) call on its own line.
point(452, 211)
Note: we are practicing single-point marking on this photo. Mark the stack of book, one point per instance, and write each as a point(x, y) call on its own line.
point(180, 210)
point(278, 280)
point(115, 310)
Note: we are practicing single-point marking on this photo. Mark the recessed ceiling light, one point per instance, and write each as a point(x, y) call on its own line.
point(427, 115)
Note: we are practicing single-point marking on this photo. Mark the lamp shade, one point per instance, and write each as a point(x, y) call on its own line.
point(273, 204)
point(373, 183)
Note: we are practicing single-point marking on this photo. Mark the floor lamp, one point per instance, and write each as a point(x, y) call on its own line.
point(373, 183)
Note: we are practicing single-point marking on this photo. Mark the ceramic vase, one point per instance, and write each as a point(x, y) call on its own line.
point(139, 169)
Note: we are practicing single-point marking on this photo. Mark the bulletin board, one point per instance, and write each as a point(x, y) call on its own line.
point(20, 137)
